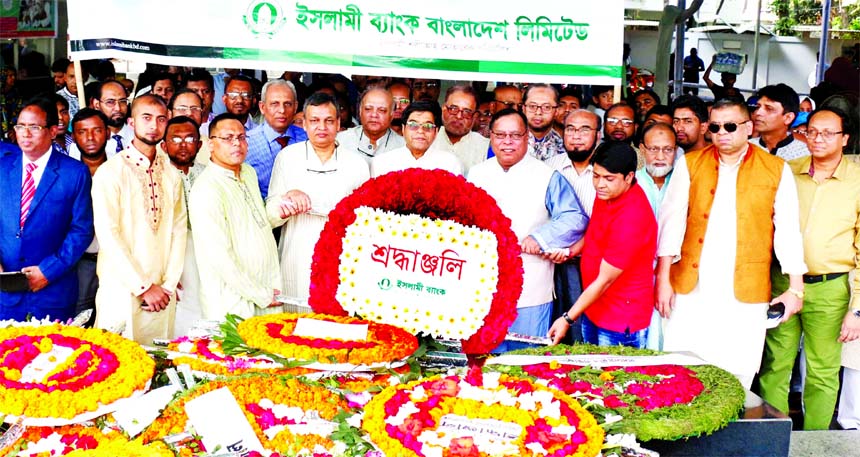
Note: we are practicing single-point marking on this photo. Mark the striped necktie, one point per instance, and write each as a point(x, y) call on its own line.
point(119, 146)
point(28, 190)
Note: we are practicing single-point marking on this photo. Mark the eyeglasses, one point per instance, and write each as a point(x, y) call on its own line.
point(401, 101)
point(414, 126)
point(485, 113)
point(615, 121)
point(32, 128)
point(419, 86)
point(534, 107)
point(111, 102)
point(187, 109)
point(572, 130)
point(730, 127)
point(186, 140)
point(812, 134)
point(668, 150)
point(235, 95)
point(231, 139)
point(456, 110)
point(505, 135)
point(799, 131)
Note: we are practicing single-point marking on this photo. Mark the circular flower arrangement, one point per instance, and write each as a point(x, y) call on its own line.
point(52, 374)
point(77, 441)
point(656, 402)
point(205, 355)
point(285, 413)
point(434, 194)
point(479, 415)
point(274, 333)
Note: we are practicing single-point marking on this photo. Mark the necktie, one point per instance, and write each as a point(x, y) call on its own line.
point(282, 140)
point(119, 146)
point(28, 190)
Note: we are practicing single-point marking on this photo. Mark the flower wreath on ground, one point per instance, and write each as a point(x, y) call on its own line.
point(60, 372)
point(287, 414)
point(666, 402)
point(206, 355)
point(444, 200)
point(479, 414)
point(276, 334)
point(79, 440)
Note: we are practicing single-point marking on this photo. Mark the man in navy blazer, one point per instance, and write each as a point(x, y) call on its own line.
point(46, 241)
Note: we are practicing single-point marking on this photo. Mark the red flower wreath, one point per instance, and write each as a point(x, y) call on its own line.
point(434, 194)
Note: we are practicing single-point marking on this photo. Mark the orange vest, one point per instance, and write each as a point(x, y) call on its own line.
point(758, 179)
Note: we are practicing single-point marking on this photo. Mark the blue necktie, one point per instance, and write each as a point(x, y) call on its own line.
point(119, 146)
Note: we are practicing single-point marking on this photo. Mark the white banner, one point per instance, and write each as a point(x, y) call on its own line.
point(538, 41)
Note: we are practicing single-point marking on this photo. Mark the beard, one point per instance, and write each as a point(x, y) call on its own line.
point(581, 156)
point(117, 123)
point(658, 171)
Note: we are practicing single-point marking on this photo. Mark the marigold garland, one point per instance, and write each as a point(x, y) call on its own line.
point(250, 390)
point(78, 441)
point(104, 367)
point(402, 420)
point(206, 355)
point(665, 402)
point(273, 333)
point(434, 194)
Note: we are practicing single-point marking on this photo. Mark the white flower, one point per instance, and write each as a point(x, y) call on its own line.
point(536, 448)
point(418, 394)
point(355, 420)
point(612, 418)
point(491, 380)
point(552, 410)
point(406, 410)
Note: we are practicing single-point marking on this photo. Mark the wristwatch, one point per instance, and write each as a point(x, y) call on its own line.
point(855, 312)
point(796, 293)
point(571, 321)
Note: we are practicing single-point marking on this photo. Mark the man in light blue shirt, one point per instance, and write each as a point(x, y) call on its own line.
point(278, 106)
point(658, 147)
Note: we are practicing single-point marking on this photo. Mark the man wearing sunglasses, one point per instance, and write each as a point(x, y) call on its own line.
point(726, 209)
point(420, 124)
point(457, 137)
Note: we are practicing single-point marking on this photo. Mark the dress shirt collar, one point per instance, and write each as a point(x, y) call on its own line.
point(41, 162)
point(808, 168)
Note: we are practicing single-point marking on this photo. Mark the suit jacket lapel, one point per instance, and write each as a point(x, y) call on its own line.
point(11, 198)
point(49, 176)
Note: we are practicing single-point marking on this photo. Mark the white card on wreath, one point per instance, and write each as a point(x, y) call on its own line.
point(314, 328)
point(135, 414)
point(218, 419)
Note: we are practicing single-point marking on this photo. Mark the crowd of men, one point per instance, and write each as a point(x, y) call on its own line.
point(669, 226)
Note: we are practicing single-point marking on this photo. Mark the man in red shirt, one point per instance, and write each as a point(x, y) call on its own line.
point(617, 260)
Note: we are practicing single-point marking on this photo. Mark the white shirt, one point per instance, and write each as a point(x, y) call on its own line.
point(583, 184)
point(41, 163)
point(471, 149)
point(355, 140)
point(402, 159)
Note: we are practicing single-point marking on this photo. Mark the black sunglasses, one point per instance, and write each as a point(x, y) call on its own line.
point(729, 126)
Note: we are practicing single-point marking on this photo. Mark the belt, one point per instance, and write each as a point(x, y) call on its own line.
point(91, 256)
point(814, 279)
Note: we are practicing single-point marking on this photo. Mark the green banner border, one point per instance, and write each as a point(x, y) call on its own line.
point(348, 60)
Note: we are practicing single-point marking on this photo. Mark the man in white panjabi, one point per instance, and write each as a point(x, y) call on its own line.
point(457, 137)
point(141, 225)
point(182, 143)
point(236, 254)
point(374, 136)
point(308, 180)
point(713, 271)
point(420, 124)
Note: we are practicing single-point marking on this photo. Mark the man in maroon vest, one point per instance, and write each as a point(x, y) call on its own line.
point(727, 208)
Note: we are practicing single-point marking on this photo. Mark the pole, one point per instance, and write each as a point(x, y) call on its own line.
point(79, 79)
point(822, 45)
point(755, 46)
point(678, 76)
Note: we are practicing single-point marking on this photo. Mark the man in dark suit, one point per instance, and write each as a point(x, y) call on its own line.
point(46, 218)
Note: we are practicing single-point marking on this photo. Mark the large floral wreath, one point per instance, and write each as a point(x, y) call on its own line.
point(665, 402)
point(434, 194)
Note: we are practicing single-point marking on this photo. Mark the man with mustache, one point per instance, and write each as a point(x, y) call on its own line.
point(374, 136)
point(541, 101)
point(112, 101)
point(457, 136)
point(140, 221)
point(690, 121)
point(239, 97)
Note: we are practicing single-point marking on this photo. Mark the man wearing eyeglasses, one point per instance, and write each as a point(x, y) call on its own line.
point(374, 136)
point(203, 84)
point(141, 224)
point(726, 209)
point(182, 143)
point(507, 96)
point(544, 214)
point(457, 136)
point(541, 101)
point(186, 103)
point(619, 124)
point(278, 105)
point(308, 180)
point(828, 186)
point(46, 220)
point(401, 93)
point(568, 100)
point(236, 254)
point(775, 111)
point(112, 101)
point(238, 98)
point(421, 120)
point(426, 90)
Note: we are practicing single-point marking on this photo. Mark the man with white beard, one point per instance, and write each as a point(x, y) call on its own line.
point(658, 148)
